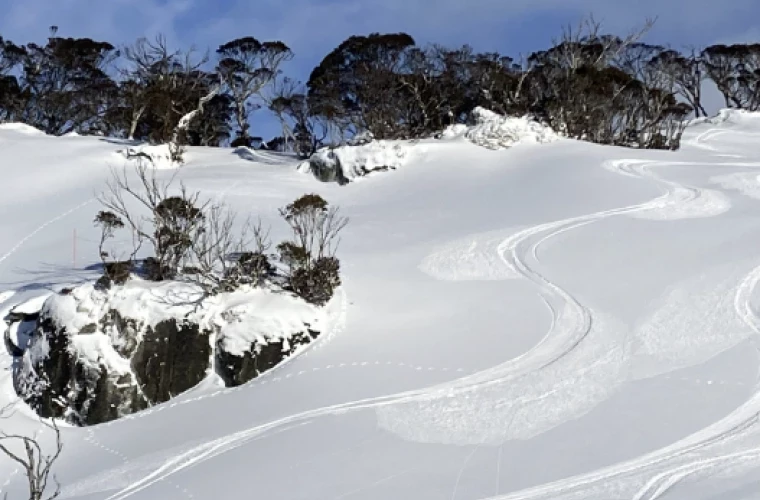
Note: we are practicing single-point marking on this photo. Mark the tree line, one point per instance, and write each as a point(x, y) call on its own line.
point(588, 85)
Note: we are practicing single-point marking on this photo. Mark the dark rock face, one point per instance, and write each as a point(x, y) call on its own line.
point(117, 365)
point(327, 170)
point(237, 370)
point(169, 359)
point(63, 384)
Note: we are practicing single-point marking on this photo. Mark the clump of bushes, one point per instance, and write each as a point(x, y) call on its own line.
point(200, 242)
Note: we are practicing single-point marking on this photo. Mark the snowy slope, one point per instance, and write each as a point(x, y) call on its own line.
point(554, 321)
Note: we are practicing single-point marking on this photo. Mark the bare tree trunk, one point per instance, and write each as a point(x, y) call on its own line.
point(133, 123)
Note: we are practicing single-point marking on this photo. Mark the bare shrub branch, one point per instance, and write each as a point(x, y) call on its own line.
point(36, 463)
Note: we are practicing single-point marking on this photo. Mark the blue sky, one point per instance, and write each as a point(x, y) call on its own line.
point(314, 27)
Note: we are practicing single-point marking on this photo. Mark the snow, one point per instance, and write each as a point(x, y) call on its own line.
point(360, 160)
point(494, 131)
point(241, 317)
point(260, 315)
point(21, 128)
point(31, 306)
point(365, 155)
point(565, 321)
point(160, 155)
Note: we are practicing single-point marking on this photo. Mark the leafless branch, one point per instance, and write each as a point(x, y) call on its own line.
point(36, 463)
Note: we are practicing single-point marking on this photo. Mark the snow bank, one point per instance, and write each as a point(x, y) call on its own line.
point(346, 163)
point(730, 118)
point(160, 155)
point(149, 302)
point(494, 131)
point(21, 128)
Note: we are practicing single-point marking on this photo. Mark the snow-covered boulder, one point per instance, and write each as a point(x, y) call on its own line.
point(494, 131)
point(346, 163)
point(97, 355)
point(257, 329)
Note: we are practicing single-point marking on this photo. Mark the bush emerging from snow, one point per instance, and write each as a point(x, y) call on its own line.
point(313, 270)
point(197, 242)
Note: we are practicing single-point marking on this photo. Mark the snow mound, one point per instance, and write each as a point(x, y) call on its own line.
point(21, 128)
point(494, 131)
point(737, 120)
point(347, 163)
point(159, 156)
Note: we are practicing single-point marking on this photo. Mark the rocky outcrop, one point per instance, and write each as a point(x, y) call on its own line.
point(67, 374)
point(237, 369)
point(326, 167)
point(96, 355)
point(346, 163)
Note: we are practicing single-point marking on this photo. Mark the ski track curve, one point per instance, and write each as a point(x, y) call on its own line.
point(576, 324)
point(571, 322)
point(737, 424)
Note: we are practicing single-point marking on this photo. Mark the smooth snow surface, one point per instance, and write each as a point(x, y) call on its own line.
point(568, 321)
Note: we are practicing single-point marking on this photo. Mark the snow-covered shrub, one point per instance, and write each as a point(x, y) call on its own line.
point(250, 268)
point(494, 131)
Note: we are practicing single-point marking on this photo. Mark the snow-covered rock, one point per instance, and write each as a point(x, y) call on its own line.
point(495, 131)
point(97, 355)
point(346, 163)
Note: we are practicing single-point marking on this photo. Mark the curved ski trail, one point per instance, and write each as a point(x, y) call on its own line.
point(571, 323)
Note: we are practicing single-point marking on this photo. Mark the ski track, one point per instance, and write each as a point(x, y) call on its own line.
point(738, 423)
point(568, 329)
point(7, 294)
point(43, 226)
